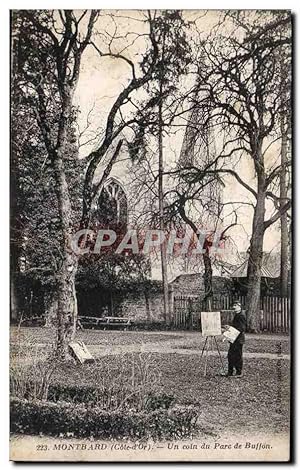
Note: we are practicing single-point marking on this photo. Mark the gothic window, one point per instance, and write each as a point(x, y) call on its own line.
point(112, 205)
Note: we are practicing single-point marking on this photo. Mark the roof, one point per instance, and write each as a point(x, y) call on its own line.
point(195, 277)
point(187, 277)
point(266, 271)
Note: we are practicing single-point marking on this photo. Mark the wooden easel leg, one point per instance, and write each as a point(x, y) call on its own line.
point(204, 346)
point(208, 345)
point(212, 350)
point(205, 363)
point(206, 356)
point(219, 353)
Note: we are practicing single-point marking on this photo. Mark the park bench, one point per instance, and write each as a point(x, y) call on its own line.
point(33, 321)
point(106, 322)
point(118, 322)
point(89, 322)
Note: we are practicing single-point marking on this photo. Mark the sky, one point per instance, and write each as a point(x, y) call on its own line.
point(102, 79)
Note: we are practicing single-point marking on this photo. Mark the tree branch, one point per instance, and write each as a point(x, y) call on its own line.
point(277, 216)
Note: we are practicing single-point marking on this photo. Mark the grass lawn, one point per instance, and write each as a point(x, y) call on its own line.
point(253, 344)
point(36, 335)
point(258, 402)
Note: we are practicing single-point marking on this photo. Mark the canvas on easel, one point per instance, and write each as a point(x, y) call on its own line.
point(211, 323)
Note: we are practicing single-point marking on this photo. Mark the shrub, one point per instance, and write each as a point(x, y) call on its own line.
point(134, 384)
point(108, 399)
point(154, 402)
point(78, 420)
point(126, 401)
point(41, 364)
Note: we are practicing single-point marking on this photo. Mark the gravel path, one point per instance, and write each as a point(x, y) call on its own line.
point(176, 345)
point(106, 343)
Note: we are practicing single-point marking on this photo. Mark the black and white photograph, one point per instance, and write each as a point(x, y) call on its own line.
point(150, 235)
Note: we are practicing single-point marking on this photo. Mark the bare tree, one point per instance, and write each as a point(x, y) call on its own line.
point(194, 203)
point(241, 88)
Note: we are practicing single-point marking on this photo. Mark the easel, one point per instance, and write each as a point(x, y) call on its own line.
point(208, 345)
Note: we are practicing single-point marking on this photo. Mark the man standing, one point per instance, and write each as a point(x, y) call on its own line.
point(235, 353)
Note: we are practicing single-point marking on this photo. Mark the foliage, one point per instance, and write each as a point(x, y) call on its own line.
point(170, 31)
point(117, 272)
point(68, 419)
point(36, 225)
point(112, 392)
point(107, 399)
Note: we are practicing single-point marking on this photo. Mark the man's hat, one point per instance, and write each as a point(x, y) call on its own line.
point(237, 302)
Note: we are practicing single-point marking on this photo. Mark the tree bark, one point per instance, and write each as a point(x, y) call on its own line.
point(66, 310)
point(50, 299)
point(67, 271)
point(255, 260)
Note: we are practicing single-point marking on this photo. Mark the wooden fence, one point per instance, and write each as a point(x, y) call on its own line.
point(274, 313)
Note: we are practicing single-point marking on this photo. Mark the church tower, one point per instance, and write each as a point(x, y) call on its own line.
point(199, 150)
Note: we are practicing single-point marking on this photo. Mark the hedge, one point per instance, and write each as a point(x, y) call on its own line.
point(78, 420)
point(92, 396)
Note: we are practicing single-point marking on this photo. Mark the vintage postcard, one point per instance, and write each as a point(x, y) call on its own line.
point(151, 170)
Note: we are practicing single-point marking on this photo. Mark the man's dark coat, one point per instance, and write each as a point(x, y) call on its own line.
point(239, 322)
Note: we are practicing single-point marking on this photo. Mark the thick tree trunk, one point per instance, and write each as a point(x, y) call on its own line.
point(50, 299)
point(255, 262)
point(66, 296)
point(66, 312)
point(284, 256)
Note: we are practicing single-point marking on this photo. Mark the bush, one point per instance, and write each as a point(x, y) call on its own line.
point(108, 399)
point(93, 397)
point(31, 370)
point(133, 385)
point(136, 388)
point(79, 420)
